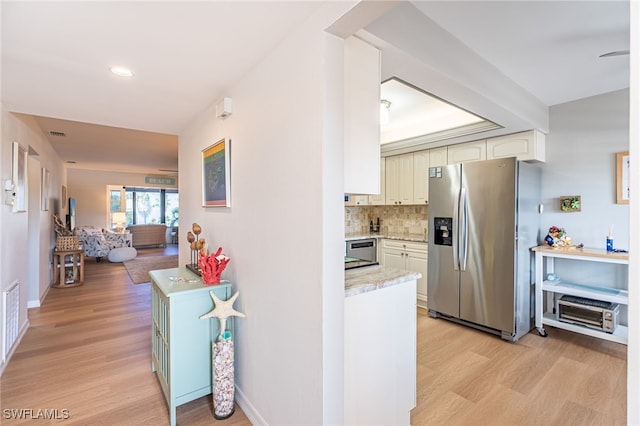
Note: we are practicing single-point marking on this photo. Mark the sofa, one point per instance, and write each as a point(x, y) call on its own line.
point(154, 234)
point(98, 242)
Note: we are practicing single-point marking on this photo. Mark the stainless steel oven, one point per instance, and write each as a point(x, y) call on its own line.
point(364, 249)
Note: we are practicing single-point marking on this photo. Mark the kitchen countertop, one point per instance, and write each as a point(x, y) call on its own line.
point(370, 278)
point(419, 238)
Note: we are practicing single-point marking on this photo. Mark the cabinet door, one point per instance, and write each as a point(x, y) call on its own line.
point(465, 152)
point(392, 175)
point(524, 146)
point(380, 199)
point(438, 157)
point(418, 262)
point(362, 200)
point(421, 177)
point(399, 176)
point(160, 339)
point(361, 117)
point(357, 200)
point(393, 258)
point(405, 181)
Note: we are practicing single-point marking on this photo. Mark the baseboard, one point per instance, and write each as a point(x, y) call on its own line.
point(248, 409)
point(421, 302)
point(38, 303)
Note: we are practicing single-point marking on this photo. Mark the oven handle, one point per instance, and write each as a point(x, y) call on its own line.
point(362, 244)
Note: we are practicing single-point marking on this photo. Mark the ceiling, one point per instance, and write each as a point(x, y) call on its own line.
point(56, 56)
point(407, 112)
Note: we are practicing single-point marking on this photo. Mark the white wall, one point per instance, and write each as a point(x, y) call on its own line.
point(582, 143)
point(89, 188)
point(284, 231)
point(17, 244)
point(581, 160)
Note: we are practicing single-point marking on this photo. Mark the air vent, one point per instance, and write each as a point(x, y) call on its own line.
point(58, 134)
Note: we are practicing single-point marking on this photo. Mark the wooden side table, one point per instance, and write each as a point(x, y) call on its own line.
point(71, 271)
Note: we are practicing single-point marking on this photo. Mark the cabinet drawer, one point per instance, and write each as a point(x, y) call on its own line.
point(405, 245)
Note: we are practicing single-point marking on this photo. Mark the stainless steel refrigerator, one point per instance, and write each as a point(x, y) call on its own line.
point(483, 219)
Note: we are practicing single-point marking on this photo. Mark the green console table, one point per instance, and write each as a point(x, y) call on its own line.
point(181, 341)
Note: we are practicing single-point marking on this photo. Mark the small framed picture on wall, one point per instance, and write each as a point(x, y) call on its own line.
point(216, 173)
point(622, 177)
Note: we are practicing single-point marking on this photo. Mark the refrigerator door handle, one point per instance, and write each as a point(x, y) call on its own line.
point(456, 231)
point(463, 226)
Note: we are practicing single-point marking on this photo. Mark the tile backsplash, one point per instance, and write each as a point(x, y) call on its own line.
point(393, 219)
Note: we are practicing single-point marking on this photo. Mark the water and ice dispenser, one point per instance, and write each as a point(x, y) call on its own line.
point(443, 231)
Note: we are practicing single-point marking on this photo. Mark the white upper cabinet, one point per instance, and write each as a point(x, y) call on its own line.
point(399, 187)
point(421, 177)
point(525, 146)
point(380, 199)
point(357, 200)
point(361, 117)
point(465, 152)
point(438, 157)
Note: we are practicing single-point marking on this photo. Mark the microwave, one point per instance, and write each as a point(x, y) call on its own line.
point(596, 314)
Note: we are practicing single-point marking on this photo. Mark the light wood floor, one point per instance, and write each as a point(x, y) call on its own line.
point(88, 352)
point(467, 377)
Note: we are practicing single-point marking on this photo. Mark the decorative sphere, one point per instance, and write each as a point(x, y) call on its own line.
point(190, 237)
point(196, 228)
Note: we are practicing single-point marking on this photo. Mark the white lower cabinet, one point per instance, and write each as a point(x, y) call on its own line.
point(410, 256)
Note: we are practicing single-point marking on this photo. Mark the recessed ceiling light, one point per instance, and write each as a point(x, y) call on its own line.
point(121, 71)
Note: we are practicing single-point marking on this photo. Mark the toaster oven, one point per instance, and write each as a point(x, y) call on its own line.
point(596, 314)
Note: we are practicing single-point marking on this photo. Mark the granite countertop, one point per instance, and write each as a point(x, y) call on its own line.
point(370, 278)
point(419, 238)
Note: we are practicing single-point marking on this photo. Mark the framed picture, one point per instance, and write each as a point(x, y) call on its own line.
point(570, 203)
point(20, 177)
point(622, 177)
point(216, 181)
point(44, 189)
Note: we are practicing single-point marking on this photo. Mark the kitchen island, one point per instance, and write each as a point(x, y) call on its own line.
point(380, 345)
point(400, 250)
